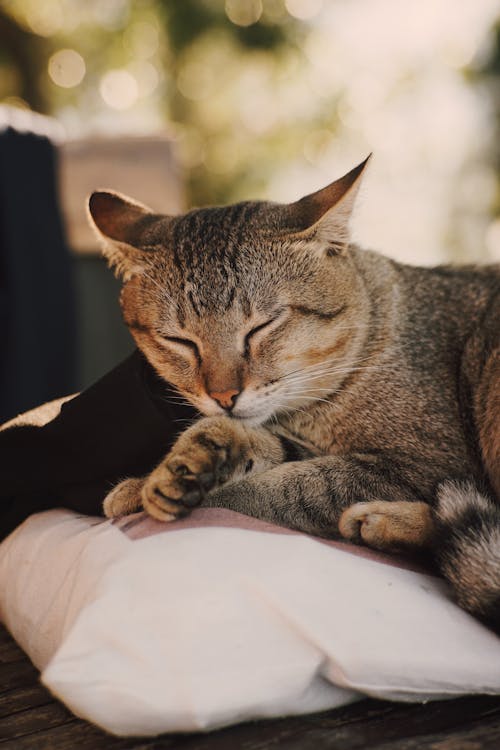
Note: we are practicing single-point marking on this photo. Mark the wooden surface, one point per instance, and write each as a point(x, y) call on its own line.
point(31, 719)
point(142, 167)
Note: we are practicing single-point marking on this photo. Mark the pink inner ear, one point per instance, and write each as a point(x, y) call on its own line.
point(308, 210)
point(114, 216)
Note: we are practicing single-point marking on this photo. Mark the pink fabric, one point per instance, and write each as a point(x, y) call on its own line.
point(140, 526)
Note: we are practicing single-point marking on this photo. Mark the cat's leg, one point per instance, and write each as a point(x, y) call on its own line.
point(213, 452)
point(123, 499)
point(391, 526)
point(307, 495)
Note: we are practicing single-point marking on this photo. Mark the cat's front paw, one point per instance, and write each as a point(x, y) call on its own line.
point(123, 499)
point(206, 456)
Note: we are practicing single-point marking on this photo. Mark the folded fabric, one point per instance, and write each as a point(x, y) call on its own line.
point(143, 627)
point(120, 426)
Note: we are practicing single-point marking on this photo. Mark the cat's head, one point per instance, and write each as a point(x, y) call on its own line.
point(248, 310)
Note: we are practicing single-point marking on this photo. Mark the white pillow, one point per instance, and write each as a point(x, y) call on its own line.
point(143, 627)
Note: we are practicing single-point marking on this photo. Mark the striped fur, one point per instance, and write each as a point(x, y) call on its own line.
point(384, 377)
point(468, 548)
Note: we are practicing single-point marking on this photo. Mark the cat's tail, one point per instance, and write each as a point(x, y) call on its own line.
point(468, 548)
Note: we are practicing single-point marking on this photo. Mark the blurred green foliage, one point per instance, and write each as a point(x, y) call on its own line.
point(185, 21)
point(271, 95)
point(199, 51)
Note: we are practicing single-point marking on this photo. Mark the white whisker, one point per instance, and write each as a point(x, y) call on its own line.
point(334, 371)
point(314, 398)
point(328, 365)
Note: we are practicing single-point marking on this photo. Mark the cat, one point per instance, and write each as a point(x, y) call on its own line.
point(342, 391)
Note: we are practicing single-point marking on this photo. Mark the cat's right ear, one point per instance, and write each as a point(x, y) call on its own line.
point(121, 224)
point(322, 218)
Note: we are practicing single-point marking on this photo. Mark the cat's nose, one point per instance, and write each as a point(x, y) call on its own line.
point(226, 399)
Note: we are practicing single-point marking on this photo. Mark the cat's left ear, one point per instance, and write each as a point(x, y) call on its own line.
point(323, 217)
point(122, 225)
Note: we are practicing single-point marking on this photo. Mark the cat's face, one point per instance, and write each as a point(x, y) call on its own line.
point(245, 310)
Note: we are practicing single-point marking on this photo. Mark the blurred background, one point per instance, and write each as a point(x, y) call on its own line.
point(264, 99)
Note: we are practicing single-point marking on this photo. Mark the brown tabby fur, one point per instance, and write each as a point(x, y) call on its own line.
point(380, 380)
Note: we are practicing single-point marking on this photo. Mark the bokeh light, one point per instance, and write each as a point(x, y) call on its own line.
point(275, 98)
point(243, 12)
point(146, 76)
point(119, 89)
point(111, 14)
point(195, 81)
point(304, 9)
point(66, 68)
point(45, 18)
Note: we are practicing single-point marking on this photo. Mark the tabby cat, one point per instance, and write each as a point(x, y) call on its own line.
point(341, 390)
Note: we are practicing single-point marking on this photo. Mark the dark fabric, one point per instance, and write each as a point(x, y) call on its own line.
point(121, 426)
point(37, 305)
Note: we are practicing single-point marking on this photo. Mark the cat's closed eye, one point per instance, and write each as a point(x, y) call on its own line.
point(257, 329)
point(186, 343)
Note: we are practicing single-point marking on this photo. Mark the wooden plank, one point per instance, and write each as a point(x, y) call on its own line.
point(5, 636)
point(364, 727)
point(30, 720)
point(400, 720)
point(369, 724)
point(73, 734)
point(296, 734)
point(472, 738)
point(10, 651)
point(17, 674)
point(24, 697)
point(142, 167)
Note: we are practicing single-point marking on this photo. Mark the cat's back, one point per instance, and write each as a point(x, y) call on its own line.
point(454, 292)
point(443, 305)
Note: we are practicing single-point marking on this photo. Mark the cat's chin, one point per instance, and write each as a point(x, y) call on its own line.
point(252, 420)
